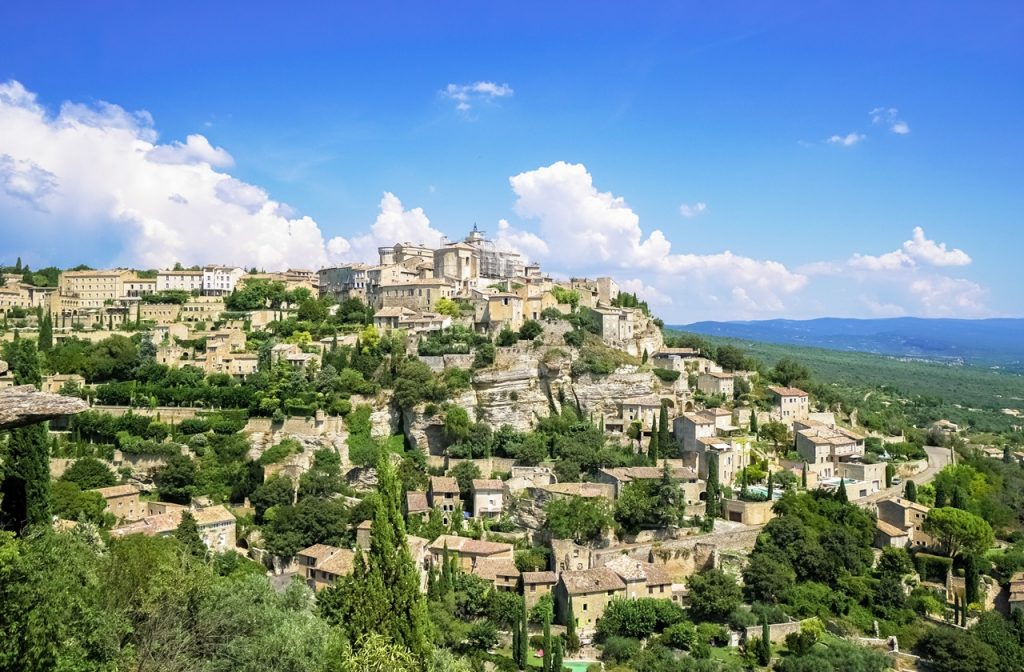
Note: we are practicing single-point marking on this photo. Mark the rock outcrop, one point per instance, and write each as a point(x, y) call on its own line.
point(25, 405)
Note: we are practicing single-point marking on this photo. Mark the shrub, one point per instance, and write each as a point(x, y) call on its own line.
point(620, 649)
point(668, 375)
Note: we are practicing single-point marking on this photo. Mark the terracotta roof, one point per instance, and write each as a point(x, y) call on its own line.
point(890, 530)
point(416, 501)
point(488, 484)
point(469, 546)
point(787, 391)
point(319, 552)
point(117, 491)
point(595, 580)
point(540, 577)
point(493, 568)
point(444, 484)
point(338, 564)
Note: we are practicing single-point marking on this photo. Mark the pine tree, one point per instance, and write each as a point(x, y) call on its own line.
point(652, 447)
point(841, 494)
point(25, 489)
point(187, 533)
point(910, 491)
point(46, 333)
point(547, 643)
point(664, 432)
point(572, 640)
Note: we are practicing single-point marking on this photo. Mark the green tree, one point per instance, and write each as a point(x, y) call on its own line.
point(547, 645)
point(23, 361)
point(763, 649)
point(960, 532)
point(652, 447)
point(275, 491)
point(713, 595)
point(464, 474)
point(176, 480)
point(556, 656)
point(89, 473)
point(664, 433)
point(446, 306)
point(456, 424)
point(776, 432)
point(577, 518)
point(382, 595)
point(530, 330)
point(46, 333)
point(187, 534)
point(753, 421)
point(949, 650)
point(910, 491)
point(572, 640)
point(524, 639)
point(712, 508)
point(842, 496)
point(25, 490)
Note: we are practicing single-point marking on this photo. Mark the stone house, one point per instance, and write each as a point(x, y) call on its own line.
point(502, 573)
point(733, 455)
point(416, 504)
point(645, 410)
point(618, 477)
point(185, 281)
point(216, 526)
point(444, 495)
point(55, 383)
point(536, 585)
point(220, 280)
point(488, 497)
point(748, 513)
point(905, 516)
point(588, 592)
point(716, 383)
point(321, 565)
point(494, 312)
point(468, 552)
point(123, 502)
point(418, 294)
point(790, 403)
point(642, 579)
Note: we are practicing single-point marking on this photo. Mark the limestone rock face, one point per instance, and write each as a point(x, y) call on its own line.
point(513, 396)
point(25, 405)
point(603, 394)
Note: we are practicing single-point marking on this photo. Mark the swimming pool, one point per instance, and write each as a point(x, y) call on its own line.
point(578, 665)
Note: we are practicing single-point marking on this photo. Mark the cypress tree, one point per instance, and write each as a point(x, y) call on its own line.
point(771, 485)
point(524, 637)
point(890, 473)
point(970, 579)
point(959, 498)
point(940, 496)
point(572, 640)
point(664, 431)
point(447, 583)
point(753, 421)
point(46, 333)
point(25, 489)
point(653, 447)
point(556, 656)
point(841, 494)
point(803, 477)
point(515, 642)
point(187, 533)
point(382, 595)
point(711, 509)
point(1007, 455)
point(547, 643)
point(910, 491)
point(764, 645)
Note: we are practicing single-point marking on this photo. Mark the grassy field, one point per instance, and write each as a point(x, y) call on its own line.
point(971, 386)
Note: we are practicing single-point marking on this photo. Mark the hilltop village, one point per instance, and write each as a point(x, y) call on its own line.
point(560, 481)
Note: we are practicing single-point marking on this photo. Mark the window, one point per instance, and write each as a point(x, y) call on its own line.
point(584, 606)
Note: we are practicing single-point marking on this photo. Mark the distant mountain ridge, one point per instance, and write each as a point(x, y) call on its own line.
point(996, 342)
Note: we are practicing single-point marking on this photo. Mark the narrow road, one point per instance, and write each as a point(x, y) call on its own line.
point(937, 459)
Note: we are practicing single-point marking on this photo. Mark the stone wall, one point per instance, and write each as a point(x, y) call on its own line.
point(776, 632)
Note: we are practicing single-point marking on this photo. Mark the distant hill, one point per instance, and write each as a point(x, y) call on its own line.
point(993, 343)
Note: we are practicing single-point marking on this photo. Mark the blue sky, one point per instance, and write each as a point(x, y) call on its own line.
point(326, 128)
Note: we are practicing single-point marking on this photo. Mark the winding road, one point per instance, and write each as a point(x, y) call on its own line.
point(938, 458)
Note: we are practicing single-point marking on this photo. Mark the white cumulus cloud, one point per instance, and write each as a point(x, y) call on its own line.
point(918, 250)
point(468, 95)
point(889, 116)
point(687, 210)
point(195, 149)
point(848, 140)
point(394, 224)
point(589, 231)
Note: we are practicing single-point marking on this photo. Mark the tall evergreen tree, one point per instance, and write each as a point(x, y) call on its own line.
point(46, 333)
point(25, 489)
point(572, 640)
point(803, 477)
point(940, 496)
point(515, 642)
point(764, 645)
point(910, 491)
point(664, 433)
point(771, 485)
point(524, 637)
point(652, 447)
point(556, 656)
point(382, 595)
point(959, 500)
point(23, 360)
point(711, 508)
point(753, 421)
point(547, 643)
point(970, 579)
point(187, 533)
point(841, 493)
